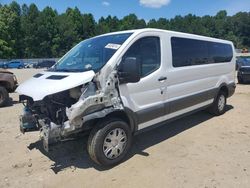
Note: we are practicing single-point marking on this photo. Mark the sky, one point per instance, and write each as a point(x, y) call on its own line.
point(146, 9)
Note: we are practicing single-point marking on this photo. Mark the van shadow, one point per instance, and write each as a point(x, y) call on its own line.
point(73, 154)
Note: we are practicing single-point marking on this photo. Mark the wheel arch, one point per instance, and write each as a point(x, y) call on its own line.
point(127, 115)
point(224, 88)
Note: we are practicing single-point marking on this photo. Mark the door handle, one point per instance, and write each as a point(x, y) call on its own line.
point(162, 78)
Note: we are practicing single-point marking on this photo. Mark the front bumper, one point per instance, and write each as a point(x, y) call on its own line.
point(49, 132)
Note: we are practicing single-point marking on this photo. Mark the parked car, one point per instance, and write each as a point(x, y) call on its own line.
point(29, 65)
point(117, 84)
point(243, 67)
point(13, 64)
point(44, 64)
point(1, 64)
point(8, 84)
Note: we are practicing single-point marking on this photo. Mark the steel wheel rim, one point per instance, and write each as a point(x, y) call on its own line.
point(114, 143)
point(221, 102)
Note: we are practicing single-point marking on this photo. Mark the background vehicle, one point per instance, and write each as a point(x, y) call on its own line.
point(116, 84)
point(8, 84)
point(29, 65)
point(14, 64)
point(1, 64)
point(243, 67)
point(44, 64)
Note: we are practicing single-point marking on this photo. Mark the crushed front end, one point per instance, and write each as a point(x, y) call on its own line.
point(64, 114)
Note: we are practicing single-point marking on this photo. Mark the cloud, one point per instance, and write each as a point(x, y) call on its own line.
point(105, 3)
point(154, 3)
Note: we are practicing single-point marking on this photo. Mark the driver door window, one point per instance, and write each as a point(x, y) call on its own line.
point(147, 51)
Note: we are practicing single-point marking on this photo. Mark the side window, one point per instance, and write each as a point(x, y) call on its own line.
point(188, 52)
point(220, 52)
point(147, 51)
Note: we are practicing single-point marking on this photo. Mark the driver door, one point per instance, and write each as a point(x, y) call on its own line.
point(145, 97)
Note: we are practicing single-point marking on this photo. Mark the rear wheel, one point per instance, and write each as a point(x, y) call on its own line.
point(4, 96)
point(219, 105)
point(109, 142)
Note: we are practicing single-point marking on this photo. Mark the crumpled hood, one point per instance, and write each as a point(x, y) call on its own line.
point(47, 83)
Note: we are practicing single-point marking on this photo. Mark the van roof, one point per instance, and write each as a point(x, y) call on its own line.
point(137, 31)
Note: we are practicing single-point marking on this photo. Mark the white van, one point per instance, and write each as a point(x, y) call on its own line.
point(116, 84)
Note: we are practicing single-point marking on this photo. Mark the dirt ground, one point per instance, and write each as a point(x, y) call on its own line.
point(196, 151)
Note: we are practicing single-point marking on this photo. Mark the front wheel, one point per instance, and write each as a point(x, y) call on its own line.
point(109, 142)
point(219, 105)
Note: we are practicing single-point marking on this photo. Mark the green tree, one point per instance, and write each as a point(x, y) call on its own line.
point(30, 24)
point(88, 26)
point(241, 27)
point(8, 29)
point(131, 22)
point(28, 32)
point(109, 24)
point(47, 33)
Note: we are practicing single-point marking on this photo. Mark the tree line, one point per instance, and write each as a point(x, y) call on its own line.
point(27, 32)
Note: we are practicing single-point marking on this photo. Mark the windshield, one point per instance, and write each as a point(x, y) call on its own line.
point(91, 54)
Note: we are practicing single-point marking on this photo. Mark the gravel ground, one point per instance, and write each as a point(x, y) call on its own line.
point(196, 151)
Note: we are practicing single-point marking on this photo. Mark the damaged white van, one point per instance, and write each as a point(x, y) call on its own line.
point(116, 84)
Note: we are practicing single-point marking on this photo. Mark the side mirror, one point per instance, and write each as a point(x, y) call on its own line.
point(129, 70)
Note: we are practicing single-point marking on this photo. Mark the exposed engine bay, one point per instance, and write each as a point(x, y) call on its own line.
point(65, 113)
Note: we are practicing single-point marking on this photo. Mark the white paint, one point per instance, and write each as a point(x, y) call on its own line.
point(38, 88)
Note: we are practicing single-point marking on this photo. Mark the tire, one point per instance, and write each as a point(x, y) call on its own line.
point(219, 105)
point(103, 145)
point(4, 96)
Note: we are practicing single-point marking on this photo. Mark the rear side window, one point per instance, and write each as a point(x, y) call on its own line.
point(188, 52)
point(147, 51)
point(220, 52)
